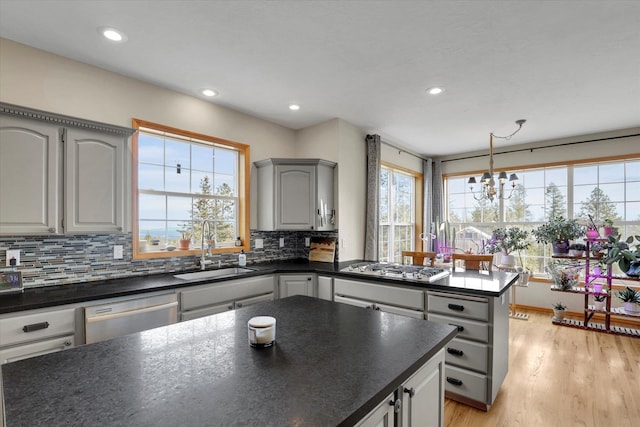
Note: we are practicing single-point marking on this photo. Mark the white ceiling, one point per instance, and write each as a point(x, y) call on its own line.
point(568, 67)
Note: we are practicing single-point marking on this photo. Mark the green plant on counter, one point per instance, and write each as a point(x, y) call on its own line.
point(599, 297)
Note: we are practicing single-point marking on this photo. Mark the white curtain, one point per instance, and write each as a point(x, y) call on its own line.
point(373, 197)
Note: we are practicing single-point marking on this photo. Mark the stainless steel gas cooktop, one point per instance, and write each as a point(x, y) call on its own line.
point(398, 271)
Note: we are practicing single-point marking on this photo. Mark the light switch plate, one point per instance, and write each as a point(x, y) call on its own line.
point(282, 242)
point(307, 241)
point(259, 243)
point(13, 253)
point(118, 252)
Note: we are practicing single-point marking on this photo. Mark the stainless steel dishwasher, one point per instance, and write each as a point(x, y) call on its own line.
point(122, 317)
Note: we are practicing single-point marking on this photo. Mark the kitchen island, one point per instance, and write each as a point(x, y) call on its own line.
point(332, 364)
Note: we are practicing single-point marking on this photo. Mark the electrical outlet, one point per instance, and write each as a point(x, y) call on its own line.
point(307, 241)
point(13, 258)
point(118, 252)
point(282, 242)
point(259, 243)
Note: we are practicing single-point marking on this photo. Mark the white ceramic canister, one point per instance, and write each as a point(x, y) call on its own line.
point(262, 331)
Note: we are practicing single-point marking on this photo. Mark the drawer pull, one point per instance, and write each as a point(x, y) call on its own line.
point(455, 351)
point(460, 327)
point(456, 307)
point(35, 326)
point(454, 381)
point(411, 391)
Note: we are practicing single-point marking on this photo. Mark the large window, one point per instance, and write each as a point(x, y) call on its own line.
point(603, 189)
point(180, 180)
point(400, 212)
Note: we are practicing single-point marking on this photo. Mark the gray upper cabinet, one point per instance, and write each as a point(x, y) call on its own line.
point(94, 182)
point(30, 180)
point(295, 194)
point(61, 175)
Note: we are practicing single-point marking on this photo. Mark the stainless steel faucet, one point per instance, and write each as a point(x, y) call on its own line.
point(203, 260)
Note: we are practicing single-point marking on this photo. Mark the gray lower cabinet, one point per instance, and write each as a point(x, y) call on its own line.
point(325, 288)
point(477, 359)
point(418, 402)
point(205, 300)
point(36, 332)
point(391, 299)
point(296, 284)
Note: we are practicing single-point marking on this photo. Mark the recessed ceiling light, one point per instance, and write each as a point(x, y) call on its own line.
point(294, 107)
point(112, 34)
point(435, 90)
point(209, 92)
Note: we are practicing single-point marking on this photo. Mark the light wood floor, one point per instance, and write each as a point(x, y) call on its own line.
point(561, 376)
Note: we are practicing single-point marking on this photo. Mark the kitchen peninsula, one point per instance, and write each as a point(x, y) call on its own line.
point(332, 364)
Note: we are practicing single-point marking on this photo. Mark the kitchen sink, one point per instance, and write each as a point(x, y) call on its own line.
point(207, 274)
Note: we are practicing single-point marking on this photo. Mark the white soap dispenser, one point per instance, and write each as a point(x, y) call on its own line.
point(242, 259)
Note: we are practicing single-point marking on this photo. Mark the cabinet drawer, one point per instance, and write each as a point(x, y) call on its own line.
point(254, 300)
point(207, 311)
point(466, 383)
point(458, 307)
point(38, 348)
point(409, 298)
point(470, 329)
point(216, 293)
point(467, 354)
point(36, 326)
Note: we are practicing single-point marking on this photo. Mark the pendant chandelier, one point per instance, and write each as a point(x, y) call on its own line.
point(488, 190)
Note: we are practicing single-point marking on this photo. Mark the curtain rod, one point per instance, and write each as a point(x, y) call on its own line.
point(541, 148)
point(403, 150)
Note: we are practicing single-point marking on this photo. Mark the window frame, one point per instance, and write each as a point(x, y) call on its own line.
point(418, 209)
point(544, 255)
point(243, 191)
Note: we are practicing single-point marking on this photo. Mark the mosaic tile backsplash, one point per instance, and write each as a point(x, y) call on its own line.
point(59, 260)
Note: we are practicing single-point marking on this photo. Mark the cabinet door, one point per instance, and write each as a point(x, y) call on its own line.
point(423, 400)
point(291, 285)
point(94, 182)
point(325, 288)
point(325, 209)
point(30, 176)
point(381, 416)
point(295, 197)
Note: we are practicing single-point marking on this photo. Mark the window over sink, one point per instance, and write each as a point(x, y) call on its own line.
point(181, 178)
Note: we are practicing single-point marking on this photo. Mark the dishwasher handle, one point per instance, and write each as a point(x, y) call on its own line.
point(94, 319)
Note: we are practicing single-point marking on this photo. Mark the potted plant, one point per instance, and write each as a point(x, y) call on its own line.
point(559, 310)
point(592, 232)
point(564, 276)
point(622, 253)
point(577, 249)
point(558, 231)
point(607, 227)
point(598, 301)
point(630, 299)
point(185, 239)
point(508, 241)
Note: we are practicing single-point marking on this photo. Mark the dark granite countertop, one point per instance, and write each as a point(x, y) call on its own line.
point(332, 363)
point(492, 284)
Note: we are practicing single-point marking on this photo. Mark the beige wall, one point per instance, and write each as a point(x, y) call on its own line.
point(37, 79)
point(343, 143)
